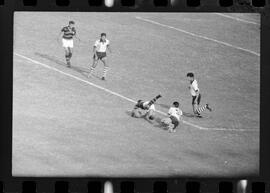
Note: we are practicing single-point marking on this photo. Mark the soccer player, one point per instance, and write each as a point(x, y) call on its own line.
point(173, 120)
point(145, 109)
point(100, 48)
point(67, 33)
point(196, 96)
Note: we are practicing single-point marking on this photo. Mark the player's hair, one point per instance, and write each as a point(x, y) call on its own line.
point(139, 101)
point(103, 34)
point(190, 74)
point(71, 22)
point(176, 104)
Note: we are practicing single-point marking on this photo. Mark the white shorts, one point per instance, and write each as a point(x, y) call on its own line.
point(67, 43)
point(152, 107)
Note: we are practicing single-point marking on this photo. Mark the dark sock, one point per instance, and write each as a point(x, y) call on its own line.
point(154, 100)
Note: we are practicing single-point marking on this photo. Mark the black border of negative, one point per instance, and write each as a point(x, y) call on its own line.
point(29, 184)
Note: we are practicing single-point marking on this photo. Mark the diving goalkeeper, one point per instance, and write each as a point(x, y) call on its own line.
point(145, 109)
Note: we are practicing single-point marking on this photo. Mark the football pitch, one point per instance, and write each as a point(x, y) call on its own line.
point(65, 124)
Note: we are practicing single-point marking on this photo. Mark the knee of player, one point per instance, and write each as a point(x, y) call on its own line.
point(152, 108)
point(105, 62)
point(151, 112)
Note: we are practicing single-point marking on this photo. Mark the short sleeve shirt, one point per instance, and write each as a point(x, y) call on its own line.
point(176, 112)
point(101, 46)
point(194, 88)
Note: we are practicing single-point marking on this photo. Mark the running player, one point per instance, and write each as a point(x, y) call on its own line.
point(100, 48)
point(196, 96)
point(173, 120)
point(67, 33)
point(145, 109)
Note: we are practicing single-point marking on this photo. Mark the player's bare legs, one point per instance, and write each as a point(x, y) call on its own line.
point(67, 55)
point(167, 122)
point(195, 107)
point(70, 52)
point(94, 65)
point(150, 115)
point(199, 110)
point(106, 67)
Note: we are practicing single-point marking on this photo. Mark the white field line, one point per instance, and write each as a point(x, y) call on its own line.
point(119, 95)
point(199, 36)
point(237, 19)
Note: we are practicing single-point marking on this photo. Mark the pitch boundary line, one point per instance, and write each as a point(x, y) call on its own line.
point(237, 19)
point(198, 36)
point(119, 95)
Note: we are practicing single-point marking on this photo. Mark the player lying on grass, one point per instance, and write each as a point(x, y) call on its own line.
point(196, 96)
point(173, 120)
point(145, 109)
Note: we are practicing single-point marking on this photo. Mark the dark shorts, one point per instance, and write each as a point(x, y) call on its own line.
point(175, 121)
point(196, 101)
point(100, 55)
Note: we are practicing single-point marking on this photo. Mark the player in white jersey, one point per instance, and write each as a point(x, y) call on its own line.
point(145, 109)
point(196, 96)
point(174, 118)
point(100, 49)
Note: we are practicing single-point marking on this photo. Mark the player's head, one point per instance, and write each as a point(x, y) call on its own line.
point(103, 36)
point(139, 102)
point(176, 104)
point(71, 23)
point(190, 76)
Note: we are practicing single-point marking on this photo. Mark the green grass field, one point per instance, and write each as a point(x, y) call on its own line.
point(65, 124)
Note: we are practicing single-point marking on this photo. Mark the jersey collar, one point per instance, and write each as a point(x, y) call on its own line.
point(100, 40)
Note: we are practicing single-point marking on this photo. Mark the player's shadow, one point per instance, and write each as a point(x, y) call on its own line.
point(128, 113)
point(51, 58)
point(159, 124)
point(81, 70)
point(188, 114)
point(163, 105)
point(156, 122)
point(151, 122)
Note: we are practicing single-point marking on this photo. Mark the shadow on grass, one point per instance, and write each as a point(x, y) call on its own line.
point(81, 70)
point(163, 105)
point(128, 113)
point(189, 114)
point(159, 124)
point(156, 122)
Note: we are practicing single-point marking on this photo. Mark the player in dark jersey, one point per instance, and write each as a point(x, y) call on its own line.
point(68, 32)
point(145, 108)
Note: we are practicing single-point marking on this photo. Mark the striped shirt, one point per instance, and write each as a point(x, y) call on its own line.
point(68, 32)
